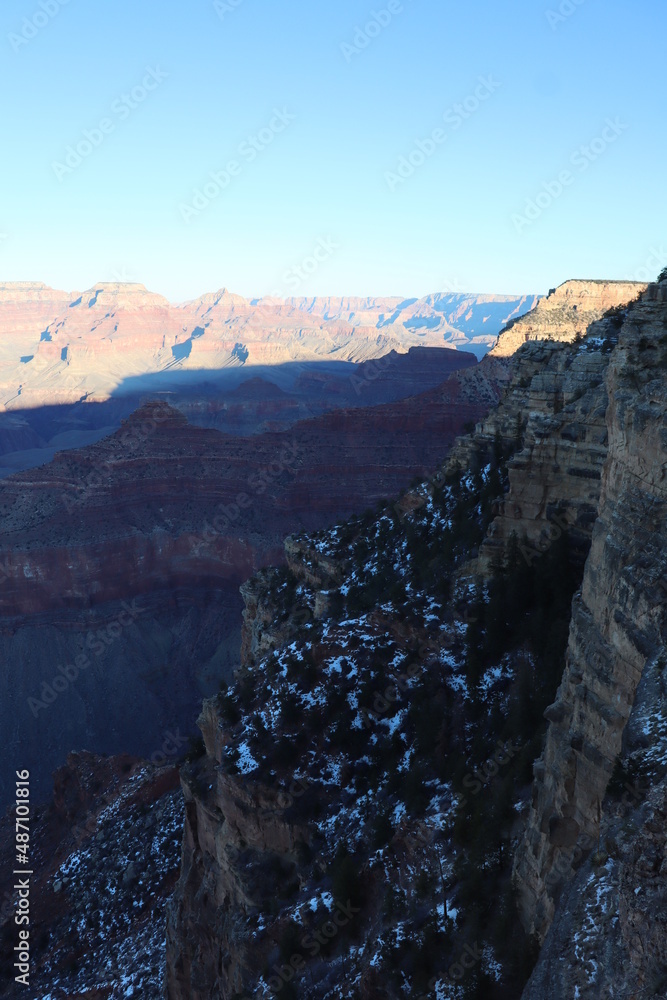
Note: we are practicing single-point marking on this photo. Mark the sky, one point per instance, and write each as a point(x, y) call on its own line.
point(332, 148)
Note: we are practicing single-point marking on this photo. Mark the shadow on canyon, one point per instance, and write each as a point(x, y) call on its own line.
point(121, 561)
point(241, 400)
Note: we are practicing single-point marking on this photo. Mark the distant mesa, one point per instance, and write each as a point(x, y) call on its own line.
point(93, 344)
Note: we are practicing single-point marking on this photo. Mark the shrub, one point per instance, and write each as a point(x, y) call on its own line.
point(196, 749)
point(383, 830)
point(229, 709)
point(345, 880)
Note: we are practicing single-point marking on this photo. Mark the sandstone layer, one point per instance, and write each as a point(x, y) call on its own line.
point(567, 312)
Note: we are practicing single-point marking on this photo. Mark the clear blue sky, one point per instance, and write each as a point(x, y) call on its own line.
point(451, 225)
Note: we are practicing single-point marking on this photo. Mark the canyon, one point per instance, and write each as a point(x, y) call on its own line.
point(503, 588)
point(61, 348)
point(73, 365)
point(155, 456)
point(170, 519)
point(601, 396)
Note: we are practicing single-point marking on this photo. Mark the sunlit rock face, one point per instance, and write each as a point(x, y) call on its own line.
point(567, 312)
point(59, 347)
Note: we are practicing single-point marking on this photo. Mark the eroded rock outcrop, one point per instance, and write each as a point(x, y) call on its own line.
point(566, 313)
point(238, 846)
point(609, 934)
point(550, 418)
point(561, 433)
point(579, 439)
point(618, 621)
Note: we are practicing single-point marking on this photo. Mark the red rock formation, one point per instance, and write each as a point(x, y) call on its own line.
point(62, 348)
point(161, 502)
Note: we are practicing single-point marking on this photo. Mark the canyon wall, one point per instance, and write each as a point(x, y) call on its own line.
point(527, 364)
point(618, 620)
point(58, 348)
point(583, 426)
point(566, 313)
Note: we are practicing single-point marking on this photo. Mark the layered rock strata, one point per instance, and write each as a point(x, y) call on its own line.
point(566, 313)
point(618, 620)
point(115, 338)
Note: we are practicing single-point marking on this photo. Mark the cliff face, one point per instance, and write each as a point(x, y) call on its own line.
point(579, 448)
point(618, 621)
point(238, 847)
point(566, 313)
point(26, 309)
point(550, 419)
point(299, 852)
point(561, 438)
point(608, 935)
point(531, 373)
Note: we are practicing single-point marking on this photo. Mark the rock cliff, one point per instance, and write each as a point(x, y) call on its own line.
point(524, 583)
point(550, 417)
point(399, 675)
point(566, 313)
point(618, 620)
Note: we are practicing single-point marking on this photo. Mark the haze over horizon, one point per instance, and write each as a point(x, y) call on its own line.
point(222, 287)
point(319, 125)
